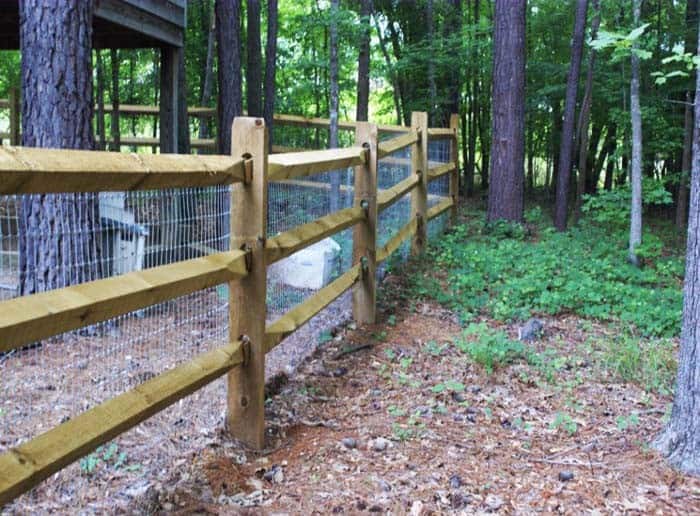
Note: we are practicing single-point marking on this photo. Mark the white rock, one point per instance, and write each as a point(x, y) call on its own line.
point(310, 268)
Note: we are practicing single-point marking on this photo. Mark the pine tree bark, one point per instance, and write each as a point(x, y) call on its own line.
point(567, 137)
point(680, 441)
point(228, 47)
point(334, 100)
point(636, 168)
point(254, 68)
point(100, 116)
point(270, 67)
point(363, 62)
point(58, 244)
point(508, 134)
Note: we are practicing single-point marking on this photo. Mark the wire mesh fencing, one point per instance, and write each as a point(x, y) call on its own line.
point(438, 153)
point(93, 236)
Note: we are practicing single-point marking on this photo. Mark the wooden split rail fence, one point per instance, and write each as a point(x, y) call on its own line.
point(250, 169)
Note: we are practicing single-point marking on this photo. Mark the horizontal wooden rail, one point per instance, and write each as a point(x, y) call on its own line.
point(319, 185)
point(439, 208)
point(299, 164)
point(26, 319)
point(26, 170)
point(302, 313)
point(440, 170)
point(441, 133)
point(406, 232)
point(395, 144)
point(287, 243)
point(25, 466)
point(386, 198)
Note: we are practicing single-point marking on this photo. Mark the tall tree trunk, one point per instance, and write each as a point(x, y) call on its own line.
point(270, 67)
point(567, 137)
point(691, 19)
point(102, 137)
point(228, 47)
point(432, 86)
point(183, 120)
point(680, 441)
point(636, 171)
point(508, 135)
point(114, 119)
point(585, 117)
point(156, 94)
point(334, 100)
point(362, 113)
point(254, 68)
point(454, 28)
point(610, 146)
point(396, 87)
point(207, 83)
point(58, 244)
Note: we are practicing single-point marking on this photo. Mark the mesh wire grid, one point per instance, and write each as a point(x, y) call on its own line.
point(136, 230)
point(438, 153)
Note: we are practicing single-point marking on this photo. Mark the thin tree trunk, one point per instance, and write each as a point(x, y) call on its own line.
point(585, 117)
point(567, 137)
point(691, 18)
point(207, 84)
point(334, 99)
point(102, 137)
point(270, 67)
point(508, 135)
point(396, 91)
point(114, 119)
point(432, 87)
point(363, 62)
point(680, 441)
point(610, 146)
point(636, 171)
point(58, 244)
point(254, 68)
point(228, 46)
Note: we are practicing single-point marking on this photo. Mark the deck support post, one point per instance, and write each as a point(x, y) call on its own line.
point(15, 115)
point(247, 297)
point(169, 58)
point(419, 195)
point(364, 296)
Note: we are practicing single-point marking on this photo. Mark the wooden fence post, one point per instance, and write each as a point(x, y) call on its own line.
point(454, 176)
point(15, 113)
point(419, 195)
point(247, 299)
point(364, 296)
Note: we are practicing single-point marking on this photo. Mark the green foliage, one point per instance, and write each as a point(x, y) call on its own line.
point(583, 271)
point(563, 421)
point(613, 207)
point(107, 456)
point(652, 365)
point(490, 349)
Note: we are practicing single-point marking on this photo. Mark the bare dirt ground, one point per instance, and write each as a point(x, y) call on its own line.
point(393, 418)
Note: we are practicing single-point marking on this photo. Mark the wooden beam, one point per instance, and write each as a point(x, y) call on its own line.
point(386, 198)
point(440, 208)
point(247, 298)
point(407, 231)
point(289, 242)
point(299, 164)
point(419, 195)
point(319, 185)
point(24, 466)
point(441, 133)
point(26, 170)
point(27, 319)
point(440, 170)
point(303, 312)
point(301, 121)
point(364, 249)
point(388, 147)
